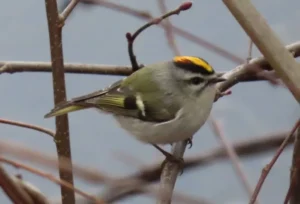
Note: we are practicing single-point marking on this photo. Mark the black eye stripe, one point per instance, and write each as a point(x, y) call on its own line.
point(196, 80)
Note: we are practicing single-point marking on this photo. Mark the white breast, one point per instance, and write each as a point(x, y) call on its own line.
point(188, 120)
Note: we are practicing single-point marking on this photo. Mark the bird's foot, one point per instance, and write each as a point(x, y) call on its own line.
point(190, 142)
point(170, 158)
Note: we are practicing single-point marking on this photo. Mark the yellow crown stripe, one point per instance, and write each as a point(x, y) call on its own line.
point(195, 60)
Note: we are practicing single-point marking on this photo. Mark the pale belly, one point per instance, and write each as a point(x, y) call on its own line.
point(184, 126)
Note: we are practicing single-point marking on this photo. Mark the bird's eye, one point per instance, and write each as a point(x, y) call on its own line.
point(196, 80)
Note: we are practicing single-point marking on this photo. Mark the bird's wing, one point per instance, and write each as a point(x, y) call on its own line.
point(81, 102)
point(120, 100)
point(129, 102)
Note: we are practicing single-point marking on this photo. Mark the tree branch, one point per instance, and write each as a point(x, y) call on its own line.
point(295, 171)
point(62, 138)
point(267, 42)
point(169, 174)
point(51, 178)
point(269, 166)
point(244, 71)
point(151, 173)
point(27, 125)
point(76, 68)
point(67, 11)
point(12, 67)
point(270, 46)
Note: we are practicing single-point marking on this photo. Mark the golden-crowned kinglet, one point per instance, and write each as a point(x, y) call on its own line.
point(160, 103)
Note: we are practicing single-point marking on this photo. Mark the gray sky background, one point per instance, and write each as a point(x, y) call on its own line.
point(97, 35)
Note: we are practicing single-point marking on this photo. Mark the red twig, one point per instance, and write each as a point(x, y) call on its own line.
point(131, 37)
point(269, 166)
point(27, 125)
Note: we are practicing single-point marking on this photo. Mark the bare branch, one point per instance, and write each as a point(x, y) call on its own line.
point(244, 71)
point(27, 125)
point(268, 43)
point(131, 37)
point(51, 178)
point(74, 68)
point(269, 166)
point(246, 75)
point(253, 147)
point(295, 172)
point(62, 137)
point(64, 15)
point(119, 188)
point(169, 174)
point(92, 176)
point(24, 153)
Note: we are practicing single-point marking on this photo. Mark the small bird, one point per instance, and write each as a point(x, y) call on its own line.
point(162, 103)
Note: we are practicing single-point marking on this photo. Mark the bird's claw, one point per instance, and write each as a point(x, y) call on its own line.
point(190, 142)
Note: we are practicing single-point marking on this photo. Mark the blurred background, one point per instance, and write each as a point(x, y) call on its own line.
point(94, 34)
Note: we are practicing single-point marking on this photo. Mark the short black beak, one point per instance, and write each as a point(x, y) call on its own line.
point(217, 79)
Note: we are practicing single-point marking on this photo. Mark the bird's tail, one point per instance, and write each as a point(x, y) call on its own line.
point(64, 108)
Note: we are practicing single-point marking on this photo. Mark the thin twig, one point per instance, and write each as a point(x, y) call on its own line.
point(50, 177)
point(62, 137)
point(269, 166)
point(183, 33)
point(92, 176)
point(168, 28)
point(27, 125)
point(232, 155)
point(131, 37)
point(250, 49)
point(295, 172)
point(46, 160)
point(73, 68)
point(250, 147)
point(241, 72)
point(67, 11)
point(291, 189)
